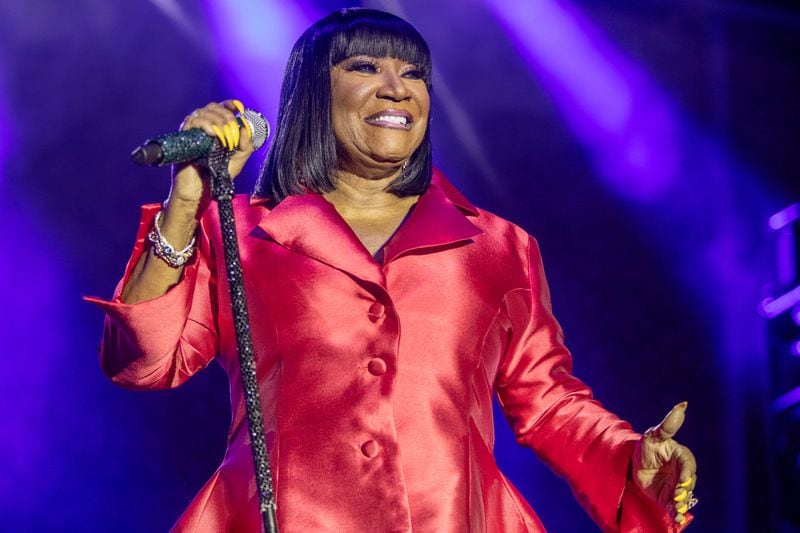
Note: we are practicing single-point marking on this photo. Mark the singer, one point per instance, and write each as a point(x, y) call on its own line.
point(386, 310)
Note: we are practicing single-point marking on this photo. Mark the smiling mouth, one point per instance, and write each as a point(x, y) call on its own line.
point(392, 119)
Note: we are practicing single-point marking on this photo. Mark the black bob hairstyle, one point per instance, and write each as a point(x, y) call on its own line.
point(303, 151)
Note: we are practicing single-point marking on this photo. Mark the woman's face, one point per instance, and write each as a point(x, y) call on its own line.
point(380, 112)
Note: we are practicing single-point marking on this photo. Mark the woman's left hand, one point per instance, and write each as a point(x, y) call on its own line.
point(665, 470)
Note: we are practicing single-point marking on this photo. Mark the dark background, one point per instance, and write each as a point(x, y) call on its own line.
point(644, 143)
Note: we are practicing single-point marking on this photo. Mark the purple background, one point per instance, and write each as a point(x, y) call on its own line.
point(644, 143)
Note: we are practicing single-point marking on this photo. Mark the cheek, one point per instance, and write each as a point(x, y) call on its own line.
point(424, 98)
point(344, 116)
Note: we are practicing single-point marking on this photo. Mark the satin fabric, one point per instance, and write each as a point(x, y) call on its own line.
point(377, 378)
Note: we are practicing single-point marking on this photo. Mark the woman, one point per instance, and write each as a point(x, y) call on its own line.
point(386, 311)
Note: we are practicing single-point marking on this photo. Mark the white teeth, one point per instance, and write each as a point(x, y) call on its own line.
point(391, 118)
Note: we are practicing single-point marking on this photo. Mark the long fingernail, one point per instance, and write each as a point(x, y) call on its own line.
point(229, 136)
point(681, 497)
point(220, 135)
point(235, 130)
point(239, 105)
point(683, 405)
point(683, 510)
point(686, 483)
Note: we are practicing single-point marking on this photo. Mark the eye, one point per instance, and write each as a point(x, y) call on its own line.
point(365, 67)
point(413, 74)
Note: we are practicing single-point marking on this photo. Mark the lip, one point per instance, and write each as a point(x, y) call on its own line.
point(376, 119)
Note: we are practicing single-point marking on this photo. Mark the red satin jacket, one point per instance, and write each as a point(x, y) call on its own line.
point(377, 379)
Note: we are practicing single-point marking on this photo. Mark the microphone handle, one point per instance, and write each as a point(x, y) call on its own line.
point(175, 147)
point(182, 146)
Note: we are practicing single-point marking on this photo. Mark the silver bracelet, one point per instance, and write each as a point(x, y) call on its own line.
point(164, 250)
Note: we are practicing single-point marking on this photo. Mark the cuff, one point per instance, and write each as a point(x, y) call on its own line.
point(639, 513)
point(138, 337)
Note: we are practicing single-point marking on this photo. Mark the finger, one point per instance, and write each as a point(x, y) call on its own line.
point(219, 113)
point(677, 512)
point(235, 106)
point(220, 135)
point(226, 121)
point(197, 119)
point(670, 425)
point(238, 107)
point(185, 125)
point(245, 138)
point(206, 119)
point(234, 127)
point(229, 137)
point(204, 124)
point(679, 509)
point(687, 478)
point(221, 117)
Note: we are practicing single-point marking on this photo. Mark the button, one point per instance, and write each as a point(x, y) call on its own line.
point(377, 366)
point(376, 311)
point(370, 448)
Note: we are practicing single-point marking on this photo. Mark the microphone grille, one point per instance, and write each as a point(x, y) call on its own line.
point(258, 125)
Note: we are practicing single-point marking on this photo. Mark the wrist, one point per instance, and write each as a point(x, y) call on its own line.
point(163, 247)
point(189, 206)
point(179, 220)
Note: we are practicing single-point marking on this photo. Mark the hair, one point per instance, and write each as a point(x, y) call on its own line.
point(302, 155)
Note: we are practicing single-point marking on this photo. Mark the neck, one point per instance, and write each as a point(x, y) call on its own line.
point(356, 194)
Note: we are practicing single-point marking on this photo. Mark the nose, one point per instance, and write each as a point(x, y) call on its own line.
point(393, 86)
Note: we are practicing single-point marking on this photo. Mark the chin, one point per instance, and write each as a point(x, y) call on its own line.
point(391, 154)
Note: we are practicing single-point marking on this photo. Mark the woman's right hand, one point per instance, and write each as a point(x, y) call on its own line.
point(189, 183)
point(188, 198)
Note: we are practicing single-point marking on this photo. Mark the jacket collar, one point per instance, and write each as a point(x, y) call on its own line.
point(310, 225)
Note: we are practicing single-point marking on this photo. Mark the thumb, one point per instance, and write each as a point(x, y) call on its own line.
point(670, 425)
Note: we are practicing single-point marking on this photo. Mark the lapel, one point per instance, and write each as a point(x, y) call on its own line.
point(310, 225)
point(438, 220)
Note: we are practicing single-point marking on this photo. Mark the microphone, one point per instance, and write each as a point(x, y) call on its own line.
point(194, 144)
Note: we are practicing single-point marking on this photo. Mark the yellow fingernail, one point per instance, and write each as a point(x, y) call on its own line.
point(683, 405)
point(229, 136)
point(683, 510)
point(239, 105)
point(681, 497)
point(680, 520)
point(235, 130)
point(686, 483)
point(220, 135)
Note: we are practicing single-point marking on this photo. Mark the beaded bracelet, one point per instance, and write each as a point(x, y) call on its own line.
point(164, 250)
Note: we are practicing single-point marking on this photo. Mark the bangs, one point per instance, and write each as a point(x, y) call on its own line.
point(380, 37)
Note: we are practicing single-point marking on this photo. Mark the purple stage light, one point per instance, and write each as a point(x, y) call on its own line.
point(34, 339)
point(786, 401)
point(5, 134)
point(253, 39)
point(648, 150)
point(784, 217)
point(794, 349)
point(622, 119)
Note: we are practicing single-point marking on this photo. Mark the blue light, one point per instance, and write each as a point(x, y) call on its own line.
point(622, 119)
point(253, 39)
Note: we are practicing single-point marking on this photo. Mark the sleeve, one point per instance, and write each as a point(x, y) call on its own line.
point(160, 343)
point(553, 412)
